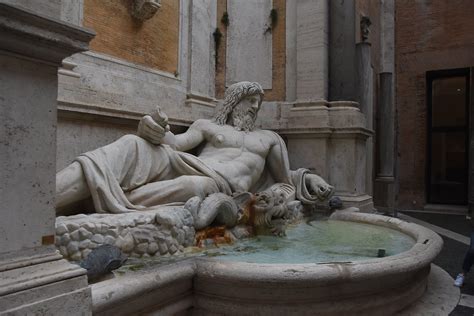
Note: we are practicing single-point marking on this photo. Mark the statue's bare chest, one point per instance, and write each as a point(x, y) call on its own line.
point(254, 142)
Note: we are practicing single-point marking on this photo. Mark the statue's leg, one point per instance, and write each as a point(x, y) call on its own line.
point(71, 185)
point(180, 189)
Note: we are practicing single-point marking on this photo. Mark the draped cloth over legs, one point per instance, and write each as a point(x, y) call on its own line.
point(132, 174)
point(161, 174)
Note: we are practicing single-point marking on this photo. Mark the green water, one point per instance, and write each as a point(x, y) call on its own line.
point(322, 241)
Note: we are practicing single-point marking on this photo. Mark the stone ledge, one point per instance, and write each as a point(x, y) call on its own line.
point(29, 34)
point(25, 278)
point(157, 288)
point(125, 63)
point(70, 296)
point(74, 108)
point(363, 202)
point(29, 257)
point(440, 298)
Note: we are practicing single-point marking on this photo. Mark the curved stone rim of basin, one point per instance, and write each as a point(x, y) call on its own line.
point(368, 287)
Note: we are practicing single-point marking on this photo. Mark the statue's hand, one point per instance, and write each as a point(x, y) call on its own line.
point(153, 127)
point(319, 187)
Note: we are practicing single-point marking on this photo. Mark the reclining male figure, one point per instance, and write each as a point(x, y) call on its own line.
point(151, 169)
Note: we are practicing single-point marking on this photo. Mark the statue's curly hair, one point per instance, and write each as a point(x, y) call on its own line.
point(233, 95)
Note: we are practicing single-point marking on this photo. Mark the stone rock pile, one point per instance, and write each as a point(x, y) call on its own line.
point(146, 233)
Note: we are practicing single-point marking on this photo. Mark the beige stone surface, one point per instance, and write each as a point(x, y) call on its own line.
point(330, 139)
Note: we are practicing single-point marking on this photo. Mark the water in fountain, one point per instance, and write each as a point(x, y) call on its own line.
point(322, 241)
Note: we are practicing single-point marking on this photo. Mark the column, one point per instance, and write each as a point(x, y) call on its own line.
point(385, 189)
point(385, 178)
point(33, 276)
point(365, 95)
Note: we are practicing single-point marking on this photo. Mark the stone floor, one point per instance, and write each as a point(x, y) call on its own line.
point(455, 231)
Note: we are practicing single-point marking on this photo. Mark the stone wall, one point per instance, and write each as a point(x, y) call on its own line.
point(101, 94)
point(430, 35)
point(277, 51)
point(132, 68)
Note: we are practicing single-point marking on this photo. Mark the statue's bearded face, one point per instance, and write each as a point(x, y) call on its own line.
point(245, 113)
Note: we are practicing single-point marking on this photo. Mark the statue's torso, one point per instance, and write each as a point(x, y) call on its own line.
point(237, 155)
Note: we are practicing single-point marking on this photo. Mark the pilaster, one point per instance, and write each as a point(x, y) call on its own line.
point(33, 277)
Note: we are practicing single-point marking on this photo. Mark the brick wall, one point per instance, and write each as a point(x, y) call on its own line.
point(429, 35)
point(153, 43)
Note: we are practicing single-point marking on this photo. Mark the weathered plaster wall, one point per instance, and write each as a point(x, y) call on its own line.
point(430, 35)
point(153, 43)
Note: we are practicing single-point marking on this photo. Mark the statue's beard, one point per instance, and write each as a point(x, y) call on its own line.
point(243, 120)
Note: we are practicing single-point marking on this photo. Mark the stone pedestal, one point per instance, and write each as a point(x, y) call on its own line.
point(330, 139)
point(33, 276)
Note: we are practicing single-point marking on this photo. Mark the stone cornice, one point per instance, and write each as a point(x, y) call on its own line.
point(326, 132)
point(29, 34)
point(83, 110)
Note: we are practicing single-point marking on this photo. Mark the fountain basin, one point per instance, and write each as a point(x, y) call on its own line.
point(215, 286)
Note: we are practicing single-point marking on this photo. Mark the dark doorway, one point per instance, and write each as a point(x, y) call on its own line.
point(448, 136)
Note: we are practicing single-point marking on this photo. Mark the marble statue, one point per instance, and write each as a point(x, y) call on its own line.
point(365, 23)
point(235, 163)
